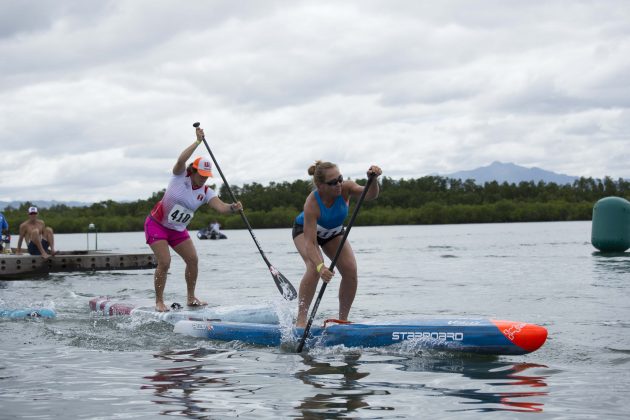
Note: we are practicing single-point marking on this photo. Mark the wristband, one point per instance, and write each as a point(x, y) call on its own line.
point(319, 267)
point(198, 142)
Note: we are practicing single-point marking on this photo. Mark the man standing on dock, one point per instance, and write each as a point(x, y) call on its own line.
point(39, 238)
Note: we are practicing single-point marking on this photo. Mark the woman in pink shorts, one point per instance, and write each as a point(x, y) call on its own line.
point(166, 225)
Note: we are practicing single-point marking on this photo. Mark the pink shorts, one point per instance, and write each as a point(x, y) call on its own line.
point(154, 231)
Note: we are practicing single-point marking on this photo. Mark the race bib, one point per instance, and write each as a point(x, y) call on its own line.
point(327, 233)
point(180, 216)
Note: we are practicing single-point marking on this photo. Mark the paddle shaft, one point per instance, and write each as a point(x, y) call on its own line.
point(284, 285)
point(243, 217)
point(334, 262)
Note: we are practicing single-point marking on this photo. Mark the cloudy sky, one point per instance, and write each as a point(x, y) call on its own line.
point(97, 99)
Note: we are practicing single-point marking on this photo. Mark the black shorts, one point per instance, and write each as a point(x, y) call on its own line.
point(299, 229)
point(32, 248)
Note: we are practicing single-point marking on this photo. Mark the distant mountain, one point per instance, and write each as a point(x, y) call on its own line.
point(44, 204)
point(511, 173)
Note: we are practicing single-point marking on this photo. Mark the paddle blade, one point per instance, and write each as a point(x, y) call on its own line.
point(284, 286)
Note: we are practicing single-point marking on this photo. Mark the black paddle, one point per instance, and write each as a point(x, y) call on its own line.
point(334, 261)
point(284, 286)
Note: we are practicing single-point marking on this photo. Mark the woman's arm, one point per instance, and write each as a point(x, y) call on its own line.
point(180, 165)
point(225, 208)
point(311, 213)
point(356, 190)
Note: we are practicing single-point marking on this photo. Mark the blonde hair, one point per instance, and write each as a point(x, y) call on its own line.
point(318, 171)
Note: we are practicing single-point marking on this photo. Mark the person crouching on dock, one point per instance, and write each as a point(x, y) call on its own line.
point(40, 239)
point(166, 224)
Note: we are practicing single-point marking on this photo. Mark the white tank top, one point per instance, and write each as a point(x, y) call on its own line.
point(177, 207)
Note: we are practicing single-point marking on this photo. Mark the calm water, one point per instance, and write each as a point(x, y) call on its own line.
point(81, 365)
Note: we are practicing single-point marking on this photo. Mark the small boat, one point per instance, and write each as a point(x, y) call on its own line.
point(210, 234)
point(470, 335)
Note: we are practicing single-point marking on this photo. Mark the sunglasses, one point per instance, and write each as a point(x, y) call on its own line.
point(335, 181)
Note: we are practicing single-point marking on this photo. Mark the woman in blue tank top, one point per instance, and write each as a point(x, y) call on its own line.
point(320, 228)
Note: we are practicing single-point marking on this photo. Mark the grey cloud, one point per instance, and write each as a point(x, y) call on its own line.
point(417, 87)
point(26, 17)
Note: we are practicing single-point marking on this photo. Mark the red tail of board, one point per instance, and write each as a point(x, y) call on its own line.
point(527, 336)
point(107, 307)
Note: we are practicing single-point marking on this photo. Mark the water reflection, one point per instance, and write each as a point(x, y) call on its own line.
point(618, 262)
point(341, 384)
point(491, 374)
point(176, 386)
point(344, 387)
point(341, 393)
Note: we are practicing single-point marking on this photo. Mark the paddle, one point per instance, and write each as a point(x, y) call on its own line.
point(284, 286)
point(334, 261)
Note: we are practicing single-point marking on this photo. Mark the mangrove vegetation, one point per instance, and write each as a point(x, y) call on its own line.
point(425, 200)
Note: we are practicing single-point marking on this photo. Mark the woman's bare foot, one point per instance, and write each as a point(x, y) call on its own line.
point(161, 307)
point(196, 302)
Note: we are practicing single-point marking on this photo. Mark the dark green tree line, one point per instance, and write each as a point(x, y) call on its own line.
point(425, 200)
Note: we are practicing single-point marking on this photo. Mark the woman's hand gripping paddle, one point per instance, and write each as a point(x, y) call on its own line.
point(334, 261)
point(284, 286)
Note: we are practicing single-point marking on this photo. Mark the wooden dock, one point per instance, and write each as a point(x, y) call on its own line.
point(25, 266)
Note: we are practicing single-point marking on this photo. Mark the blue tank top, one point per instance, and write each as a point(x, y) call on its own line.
point(330, 220)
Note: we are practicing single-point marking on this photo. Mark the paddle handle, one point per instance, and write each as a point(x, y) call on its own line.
point(334, 262)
